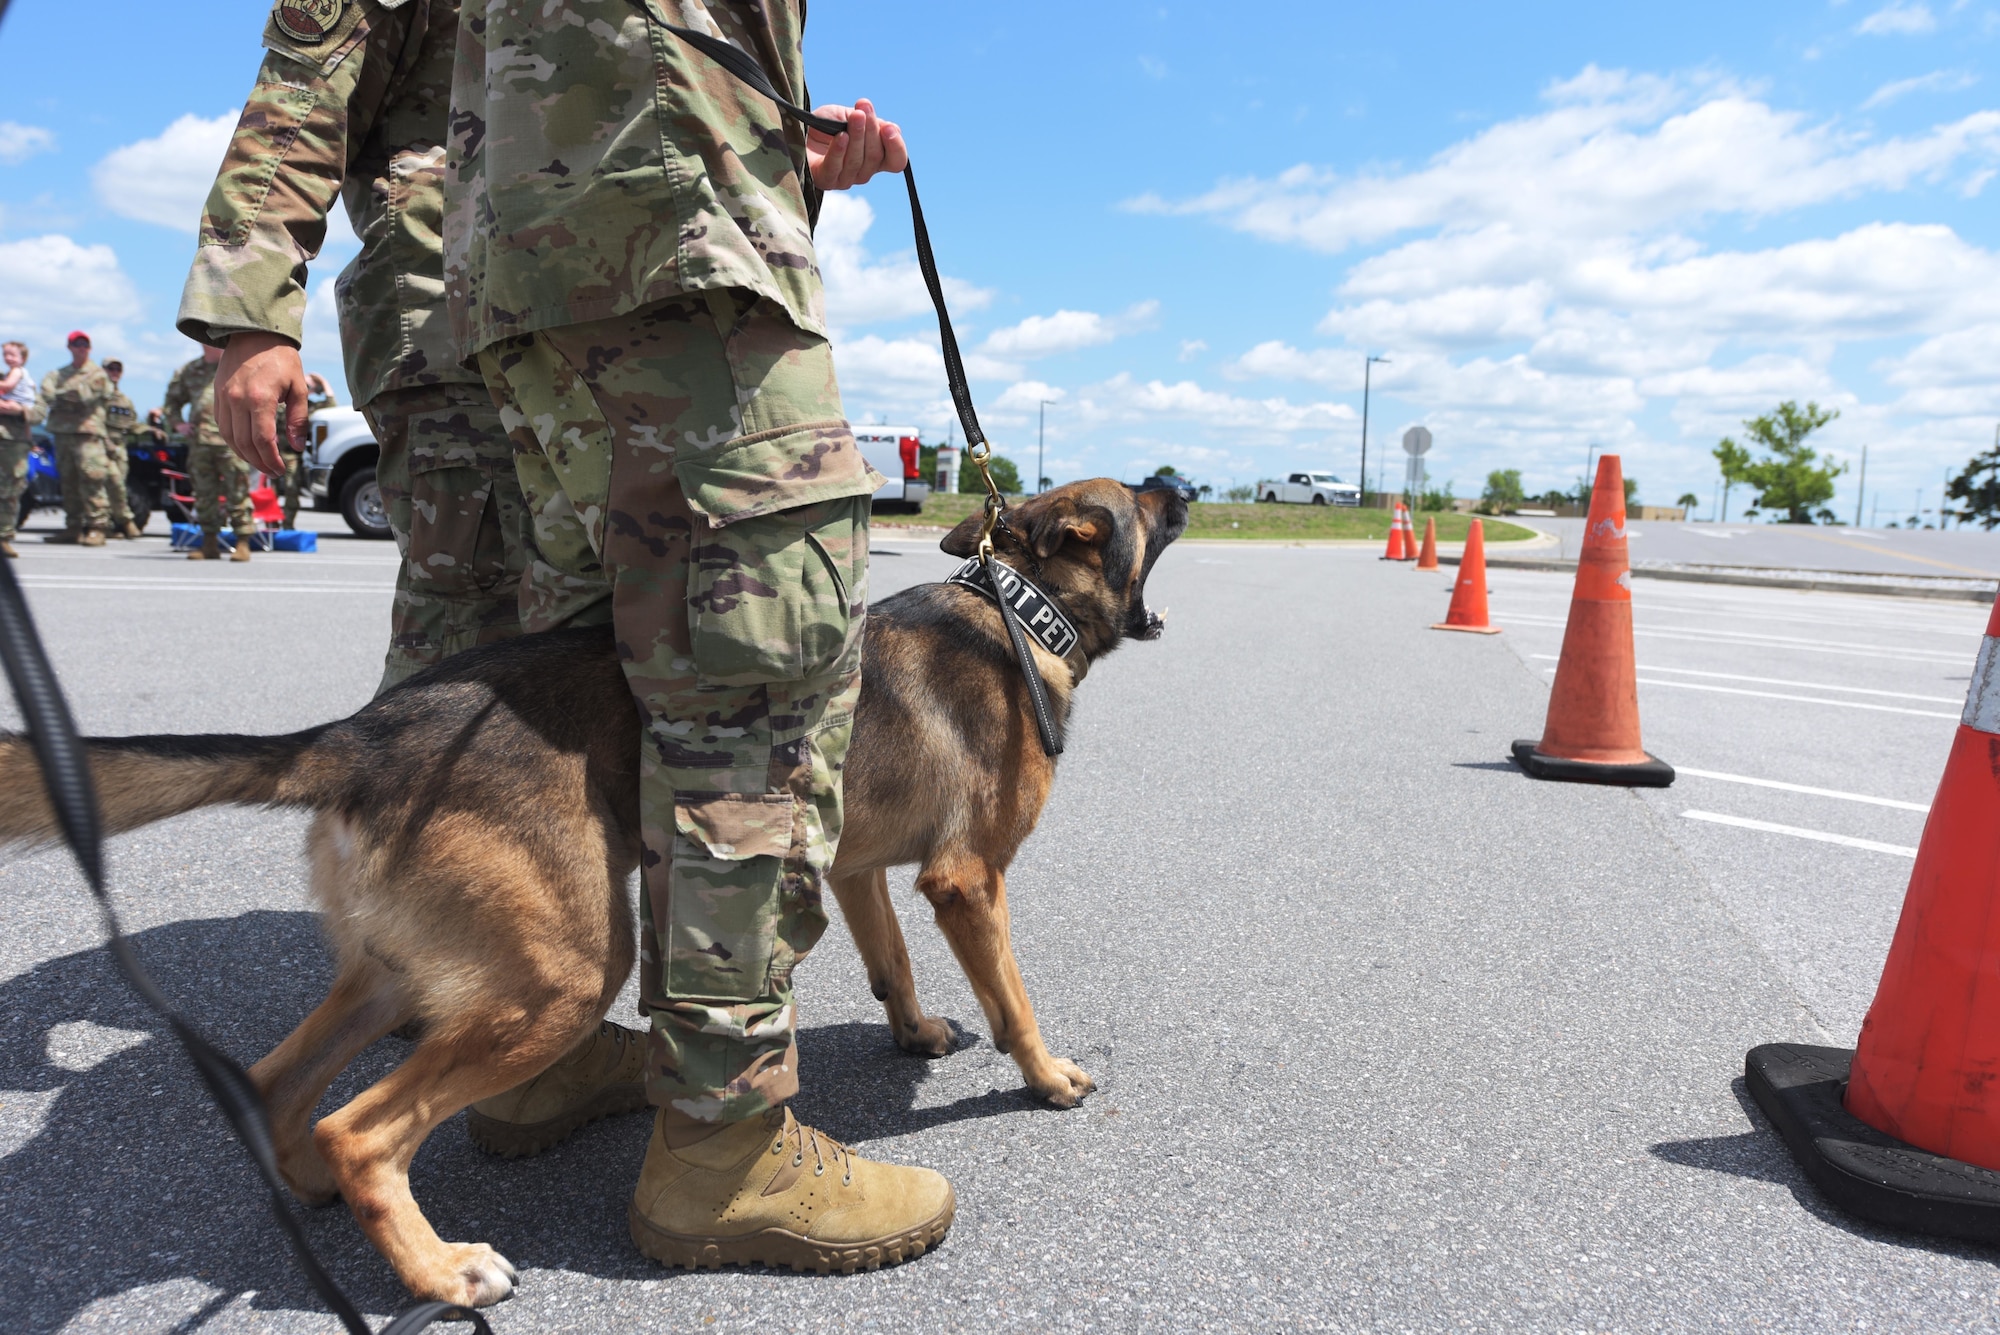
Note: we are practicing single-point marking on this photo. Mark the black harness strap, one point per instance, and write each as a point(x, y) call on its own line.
point(66, 774)
point(744, 66)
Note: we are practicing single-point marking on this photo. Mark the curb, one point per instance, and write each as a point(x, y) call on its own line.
point(1832, 582)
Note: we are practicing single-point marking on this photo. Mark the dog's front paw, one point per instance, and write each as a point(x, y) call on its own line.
point(471, 1274)
point(927, 1037)
point(1064, 1083)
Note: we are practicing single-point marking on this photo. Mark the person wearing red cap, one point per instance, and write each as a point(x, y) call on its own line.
point(76, 396)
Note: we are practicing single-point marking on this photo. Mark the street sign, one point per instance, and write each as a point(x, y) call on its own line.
point(1417, 441)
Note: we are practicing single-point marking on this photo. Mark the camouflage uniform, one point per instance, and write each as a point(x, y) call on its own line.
point(16, 439)
point(217, 475)
point(75, 398)
point(631, 261)
point(121, 419)
point(362, 114)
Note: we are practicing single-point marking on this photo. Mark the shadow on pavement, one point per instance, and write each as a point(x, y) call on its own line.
point(134, 1179)
point(1760, 1156)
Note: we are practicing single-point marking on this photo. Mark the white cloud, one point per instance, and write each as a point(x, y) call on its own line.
point(1899, 18)
point(19, 142)
point(1192, 348)
point(1065, 331)
point(55, 285)
point(1611, 154)
point(165, 179)
point(861, 290)
point(1937, 81)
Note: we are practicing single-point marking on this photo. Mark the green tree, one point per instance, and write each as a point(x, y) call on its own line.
point(1977, 490)
point(1689, 502)
point(1240, 495)
point(1503, 491)
point(1791, 479)
point(1005, 476)
point(1631, 491)
point(1165, 470)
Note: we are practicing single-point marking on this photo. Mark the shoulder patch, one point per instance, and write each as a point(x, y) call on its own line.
point(319, 32)
point(308, 21)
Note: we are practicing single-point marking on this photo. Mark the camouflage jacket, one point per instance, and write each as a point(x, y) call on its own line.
point(121, 419)
point(599, 164)
point(76, 397)
point(184, 393)
point(207, 431)
point(360, 113)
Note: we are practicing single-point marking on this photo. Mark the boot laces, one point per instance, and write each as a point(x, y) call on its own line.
point(824, 1148)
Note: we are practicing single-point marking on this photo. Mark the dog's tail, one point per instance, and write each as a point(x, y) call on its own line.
point(144, 779)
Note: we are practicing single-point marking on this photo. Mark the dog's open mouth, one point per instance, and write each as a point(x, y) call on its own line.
point(1153, 626)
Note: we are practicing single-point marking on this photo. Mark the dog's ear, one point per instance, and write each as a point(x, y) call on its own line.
point(1063, 519)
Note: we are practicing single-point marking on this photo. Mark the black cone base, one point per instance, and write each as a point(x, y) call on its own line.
point(1651, 773)
point(1861, 1170)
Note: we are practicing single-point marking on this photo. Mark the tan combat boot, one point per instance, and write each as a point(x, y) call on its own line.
point(91, 538)
point(210, 549)
point(131, 530)
point(603, 1076)
point(241, 551)
point(772, 1192)
point(67, 537)
point(7, 549)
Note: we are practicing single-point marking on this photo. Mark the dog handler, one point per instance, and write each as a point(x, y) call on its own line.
point(631, 261)
point(351, 102)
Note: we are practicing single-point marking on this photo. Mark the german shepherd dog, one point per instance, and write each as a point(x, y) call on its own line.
point(475, 830)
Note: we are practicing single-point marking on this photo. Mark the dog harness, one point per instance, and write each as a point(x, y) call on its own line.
point(1038, 612)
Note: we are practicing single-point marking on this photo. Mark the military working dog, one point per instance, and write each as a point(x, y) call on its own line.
point(476, 829)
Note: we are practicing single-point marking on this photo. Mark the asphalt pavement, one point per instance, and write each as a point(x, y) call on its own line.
point(1387, 1035)
point(1963, 552)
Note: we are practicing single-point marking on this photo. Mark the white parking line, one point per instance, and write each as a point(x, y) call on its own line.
point(1779, 681)
point(1802, 788)
point(189, 586)
point(1819, 836)
point(1782, 695)
point(1747, 640)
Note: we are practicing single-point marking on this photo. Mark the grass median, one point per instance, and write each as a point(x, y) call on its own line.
point(1268, 523)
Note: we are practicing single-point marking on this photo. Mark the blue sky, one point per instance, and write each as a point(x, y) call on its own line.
point(1565, 225)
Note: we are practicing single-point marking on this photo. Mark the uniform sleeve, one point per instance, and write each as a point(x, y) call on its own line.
point(175, 402)
point(265, 218)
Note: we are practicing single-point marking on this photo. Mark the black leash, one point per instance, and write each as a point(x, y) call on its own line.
point(66, 774)
point(744, 66)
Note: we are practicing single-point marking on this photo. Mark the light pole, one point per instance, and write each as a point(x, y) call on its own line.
point(1583, 496)
point(1041, 444)
point(1367, 374)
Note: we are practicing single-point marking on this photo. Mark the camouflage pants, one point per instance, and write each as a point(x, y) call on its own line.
point(293, 483)
point(83, 462)
point(119, 461)
point(13, 482)
point(741, 642)
point(217, 474)
point(447, 478)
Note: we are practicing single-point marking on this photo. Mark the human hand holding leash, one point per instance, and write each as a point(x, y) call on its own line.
point(869, 146)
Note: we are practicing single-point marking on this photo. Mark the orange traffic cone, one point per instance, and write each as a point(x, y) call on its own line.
point(1916, 1140)
point(1428, 559)
point(1395, 551)
point(1468, 596)
point(1592, 733)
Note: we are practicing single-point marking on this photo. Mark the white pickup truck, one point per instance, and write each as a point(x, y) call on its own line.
point(1310, 489)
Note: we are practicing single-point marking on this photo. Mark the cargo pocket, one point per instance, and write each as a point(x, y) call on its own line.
point(780, 597)
point(457, 549)
point(729, 859)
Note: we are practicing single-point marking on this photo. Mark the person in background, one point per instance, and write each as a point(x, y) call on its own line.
point(20, 412)
point(121, 420)
point(319, 394)
point(75, 397)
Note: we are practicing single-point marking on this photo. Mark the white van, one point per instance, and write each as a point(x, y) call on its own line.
point(893, 450)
